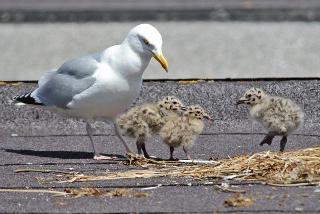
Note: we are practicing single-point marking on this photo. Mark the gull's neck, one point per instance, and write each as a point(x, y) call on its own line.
point(126, 60)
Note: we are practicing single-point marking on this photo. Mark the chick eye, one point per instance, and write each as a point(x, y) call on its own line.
point(174, 102)
point(249, 95)
point(146, 42)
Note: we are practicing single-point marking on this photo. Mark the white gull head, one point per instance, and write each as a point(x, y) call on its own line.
point(146, 41)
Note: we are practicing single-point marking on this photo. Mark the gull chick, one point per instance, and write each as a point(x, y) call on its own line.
point(141, 122)
point(102, 85)
point(184, 130)
point(280, 116)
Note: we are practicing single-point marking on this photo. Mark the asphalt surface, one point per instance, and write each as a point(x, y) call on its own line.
point(38, 139)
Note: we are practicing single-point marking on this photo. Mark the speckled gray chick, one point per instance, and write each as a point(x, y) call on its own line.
point(183, 130)
point(280, 116)
point(141, 122)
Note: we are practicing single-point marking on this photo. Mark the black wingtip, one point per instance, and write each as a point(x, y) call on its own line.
point(27, 99)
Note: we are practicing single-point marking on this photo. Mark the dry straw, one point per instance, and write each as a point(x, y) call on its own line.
point(293, 168)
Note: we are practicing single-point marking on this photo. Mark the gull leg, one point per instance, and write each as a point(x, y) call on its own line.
point(187, 153)
point(267, 139)
point(96, 156)
point(89, 132)
point(283, 143)
point(116, 127)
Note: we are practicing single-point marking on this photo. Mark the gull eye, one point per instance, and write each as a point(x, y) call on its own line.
point(146, 42)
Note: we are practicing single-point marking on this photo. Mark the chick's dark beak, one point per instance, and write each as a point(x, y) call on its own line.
point(241, 101)
point(208, 117)
point(183, 108)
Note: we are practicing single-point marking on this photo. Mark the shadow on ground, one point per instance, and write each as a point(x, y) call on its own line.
point(58, 154)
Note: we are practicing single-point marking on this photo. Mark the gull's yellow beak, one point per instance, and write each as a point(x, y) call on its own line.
point(160, 58)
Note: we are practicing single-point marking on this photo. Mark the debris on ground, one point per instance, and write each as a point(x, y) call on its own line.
point(294, 168)
point(81, 192)
point(26, 190)
point(43, 171)
point(195, 81)
point(186, 82)
point(228, 189)
point(239, 201)
point(2, 83)
point(120, 192)
point(137, 160)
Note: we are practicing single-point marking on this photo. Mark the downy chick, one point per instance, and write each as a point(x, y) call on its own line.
point(183, 130)
point(141, 122)
point(280, 116)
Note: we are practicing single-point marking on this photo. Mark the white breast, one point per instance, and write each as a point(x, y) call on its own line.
point(110, 95)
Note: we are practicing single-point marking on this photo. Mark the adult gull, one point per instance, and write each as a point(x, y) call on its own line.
point(102, 85)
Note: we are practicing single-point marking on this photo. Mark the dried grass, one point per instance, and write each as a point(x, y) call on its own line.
point(120, 192)
point(2, 83)
point(56, 193)
point(239, 201)
point(301, 166)
point(81, 192)
point(293, 168)
point(187, 82)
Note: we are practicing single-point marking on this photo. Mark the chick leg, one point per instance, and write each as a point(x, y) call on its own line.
point(171, 153)
point(283, 143)
point(268, 139)
point(141, 146)
point(187, 153)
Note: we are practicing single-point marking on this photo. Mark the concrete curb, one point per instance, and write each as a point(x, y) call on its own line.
point(195, 50)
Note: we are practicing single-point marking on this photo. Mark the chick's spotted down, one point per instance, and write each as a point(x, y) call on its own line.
point(280, 116)
point(141, 122)
point(183, 130)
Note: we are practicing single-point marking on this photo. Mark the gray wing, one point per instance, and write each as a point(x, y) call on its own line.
point(73, 77)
